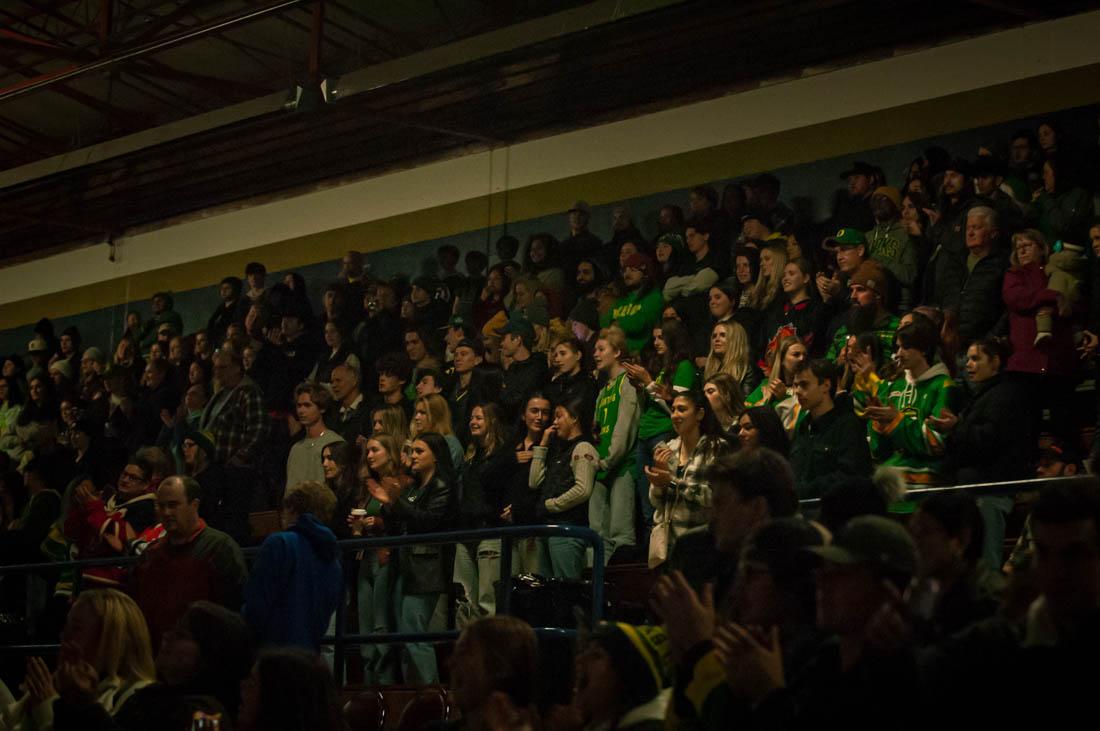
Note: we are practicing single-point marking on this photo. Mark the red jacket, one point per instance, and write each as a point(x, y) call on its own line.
point(1025, 291)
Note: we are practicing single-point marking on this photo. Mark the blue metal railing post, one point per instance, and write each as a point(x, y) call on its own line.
point(505, 575)
point(341, 619)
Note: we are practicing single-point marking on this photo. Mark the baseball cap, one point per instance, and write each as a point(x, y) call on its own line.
point(858, 168)
point(871, 275)
point(518, 325)
point(1060, 450)
point(961, 165)
point(890, 192)
point(638, 261)
point(847, 237)
point(676, 241)
point(537, 314)
point(873, 540)
point(581, 206)
point(473, 344)
point(461, 322)
point(37, 345)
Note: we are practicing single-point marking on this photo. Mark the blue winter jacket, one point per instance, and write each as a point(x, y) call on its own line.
point(295, 585)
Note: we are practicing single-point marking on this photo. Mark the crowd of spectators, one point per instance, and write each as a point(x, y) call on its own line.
point(678, 395)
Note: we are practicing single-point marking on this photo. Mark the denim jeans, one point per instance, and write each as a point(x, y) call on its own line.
point(479, 576)
point(414, 614)
point(375, 585)
point(562, 558)
point(994, 510)
point(611, 512)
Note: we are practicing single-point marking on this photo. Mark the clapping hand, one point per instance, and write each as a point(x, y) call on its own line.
point(76, 677)
point(881, 414)
point(39, 682)
point(752, 659)
point(945, 422)
point(688, 617)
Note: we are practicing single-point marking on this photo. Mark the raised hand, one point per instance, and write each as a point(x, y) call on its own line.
point(688, 617)
point(752, 659)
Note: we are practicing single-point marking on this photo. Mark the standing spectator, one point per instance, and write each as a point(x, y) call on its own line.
point(484, 497)
point(868, 311)
point(746, 270)
point(524, 372)
point(490, 301)
point(340, 462)
point(296, 579)
point(471, 384)
point(102, 526)
point(236, 419)
point(304, 462)
point(680, 497)
point(432, 415)
point(431, 303)
point(448, 257)
point(424, 572)
point(353, 276)
point(675, 374)
point(611, 509)
point(581, 242)
point(1047, 368)
point(339, 349)
point(394, 372)
point(705, 267)
point(623, 229)
point(563, 472)
point(888, 243)
point(375, 578)
point(163, 314)
point(572, 380)
point(522, 505)
point(585, 315)
point(191, 561)
point(947, 236)
point(233, 308)
point(300, 343)
point(1062, 206)
point(979, 307)
point(729, 354)
point(901, 434)
point(352, 414)
point(830, 444)
point(640, 309)
point(852, 207)
point(540, 262)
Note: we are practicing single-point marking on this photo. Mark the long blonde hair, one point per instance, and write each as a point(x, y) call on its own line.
point(767, 288)
point(395, 422)
point(776, 368)
point(439, 414)
point(735, 361)
point(125, 651)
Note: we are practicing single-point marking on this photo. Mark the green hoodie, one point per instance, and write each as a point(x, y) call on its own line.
point(637, 314)
point(908, 442)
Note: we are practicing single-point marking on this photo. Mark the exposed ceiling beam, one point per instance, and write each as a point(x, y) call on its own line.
point(222, 24)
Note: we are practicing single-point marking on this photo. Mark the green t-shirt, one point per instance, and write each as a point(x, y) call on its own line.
point(655, 417)
point(637, 316)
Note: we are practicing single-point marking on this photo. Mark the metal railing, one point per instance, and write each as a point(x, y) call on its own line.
point(978, 489)
point(340, 640)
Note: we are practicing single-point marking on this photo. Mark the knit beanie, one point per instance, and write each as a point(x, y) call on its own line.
point(95, 354)
point(639, 654)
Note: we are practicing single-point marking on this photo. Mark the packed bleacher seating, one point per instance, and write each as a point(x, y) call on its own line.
point(680, 394)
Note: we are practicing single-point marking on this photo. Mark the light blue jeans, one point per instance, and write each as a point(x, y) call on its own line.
point(375, 584)
point(562, 558)
point(479, 576)
point(611, 511)
point(414, 614)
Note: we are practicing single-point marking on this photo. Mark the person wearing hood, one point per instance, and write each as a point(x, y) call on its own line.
point(296, 580)
point(201, 663)
point(901, 434)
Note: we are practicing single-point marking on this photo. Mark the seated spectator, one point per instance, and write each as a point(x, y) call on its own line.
point(102, 526)
point(776, 390)
point(484, 497)
point(11, 403)
point(888, 243)
point(495, 675)
point(304, 461)
point(704, 268)
point(955, 588)
point(289, 690)
point(727, 403)
point(197, 450)
point(796, 311)
point(729, 354)
point(622, 676)
point(1046, 368)
point(423, 572)
point(611, 509)
point(639, 310)
point(27, 524)
point(491, 299)
point(296, 580)
point(1063, 207)
point(867, 313)
point(563, 472)
point(200, 666)
point(189, 562)
point(722, 302)
point(677, 492)
point(852, 207)
point(38, 422)
point(232, 308)
point(830, 444)
point(760, 426)
point(106, 656)
point(901, 434)
point(746, 262)
point(869, 564)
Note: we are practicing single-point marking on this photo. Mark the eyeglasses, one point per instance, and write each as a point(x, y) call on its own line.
point(131, 477)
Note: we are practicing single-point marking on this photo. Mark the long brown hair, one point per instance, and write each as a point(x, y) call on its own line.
point(495, 432)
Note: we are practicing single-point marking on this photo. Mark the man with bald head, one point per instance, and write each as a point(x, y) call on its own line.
point(190, 561)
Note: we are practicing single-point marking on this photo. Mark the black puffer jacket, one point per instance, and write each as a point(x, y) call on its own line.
point(990, 443)
point(980, 301)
